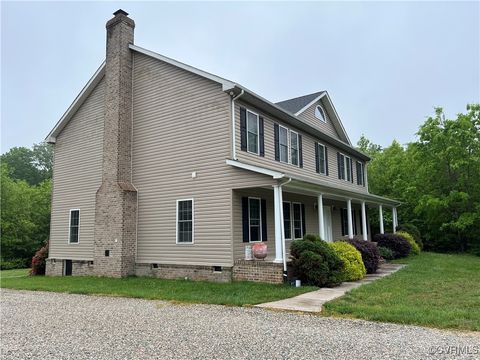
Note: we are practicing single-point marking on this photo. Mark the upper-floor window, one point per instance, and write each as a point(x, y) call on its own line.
point(74, 227)
point(288, 146)
point(320, 114)
point(321, 157)
point(360, 173)
point(185, 221)
point(283, 142)
point(294, 147)
point(252, 132)
point(344, 167)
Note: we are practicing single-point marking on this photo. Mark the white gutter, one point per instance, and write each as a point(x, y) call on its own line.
point(234, 137)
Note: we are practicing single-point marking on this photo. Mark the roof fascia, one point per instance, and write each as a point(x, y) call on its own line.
point(72, 109)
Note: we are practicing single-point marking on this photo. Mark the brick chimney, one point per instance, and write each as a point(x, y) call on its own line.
point(116, 199)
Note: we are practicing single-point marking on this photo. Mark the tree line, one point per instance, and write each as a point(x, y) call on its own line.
point(436, 177)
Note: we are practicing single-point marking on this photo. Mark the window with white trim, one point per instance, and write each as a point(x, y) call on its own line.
point(360, 173)
point(322, 159)
point(297, 220)
point(345, 168)
point(252, 132)
point(255, 219)
point(294, 148)
point(287, 220)
point(185, 221)
point(320, 114)
point(283, 142)
point(74, 228)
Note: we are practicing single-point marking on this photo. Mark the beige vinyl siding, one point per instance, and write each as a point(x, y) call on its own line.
point(181, 124)
point(77, 175)
point(309, 168)
point(309, 117)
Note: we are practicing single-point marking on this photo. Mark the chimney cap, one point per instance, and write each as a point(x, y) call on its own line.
point(120, 12)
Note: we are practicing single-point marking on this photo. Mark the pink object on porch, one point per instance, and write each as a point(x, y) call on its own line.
point(259, 250)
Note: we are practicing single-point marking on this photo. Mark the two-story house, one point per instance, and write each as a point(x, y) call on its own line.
point(163, 169)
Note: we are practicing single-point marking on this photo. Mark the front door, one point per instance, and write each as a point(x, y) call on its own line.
point(327, 221)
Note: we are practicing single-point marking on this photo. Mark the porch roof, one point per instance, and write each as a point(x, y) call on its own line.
point(315, 186)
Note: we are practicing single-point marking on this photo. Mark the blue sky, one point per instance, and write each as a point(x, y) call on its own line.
point(386, 65)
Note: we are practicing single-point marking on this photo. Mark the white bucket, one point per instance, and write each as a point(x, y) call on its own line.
point(298, 283)
point(248, 252)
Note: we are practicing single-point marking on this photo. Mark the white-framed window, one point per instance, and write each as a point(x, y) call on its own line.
point(360, 173)
point(283, 143)
point(294, 151)
point(185, 221)
point(252, 132)
point(322, 159)
point(74, 227)
point(345, 167)
point(297, 220)
point(287, 220)
point(320, 114)
point(254, 219)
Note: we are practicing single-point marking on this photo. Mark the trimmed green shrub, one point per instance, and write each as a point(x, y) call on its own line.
point(386, 253)
point(370, 254)
point(315, 263)
point(353, 268)
point(412, 230)
point(411, 241)
point(400, 247)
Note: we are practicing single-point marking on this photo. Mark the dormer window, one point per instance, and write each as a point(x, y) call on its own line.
point(320, 114)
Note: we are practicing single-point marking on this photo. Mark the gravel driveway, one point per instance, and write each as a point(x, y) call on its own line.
point(44, 325)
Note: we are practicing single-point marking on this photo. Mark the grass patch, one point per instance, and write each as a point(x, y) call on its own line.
point(15, 273)
point(435, 290)
point(234, 293)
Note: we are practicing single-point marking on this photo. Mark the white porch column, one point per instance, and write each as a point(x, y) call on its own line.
point(321, 224)
point(349, 217)
point(380, 213)
point(394, 216)
point(277, 206)
point(364, 222)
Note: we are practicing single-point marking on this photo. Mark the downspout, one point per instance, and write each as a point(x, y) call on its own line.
point(284, 255)
point(234, 150)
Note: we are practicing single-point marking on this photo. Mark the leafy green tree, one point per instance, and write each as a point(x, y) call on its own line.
point(32, 165)
point(25, 217)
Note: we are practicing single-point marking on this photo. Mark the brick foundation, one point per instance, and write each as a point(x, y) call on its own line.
point(258, 271)
point(192, 272)
point(54, 267)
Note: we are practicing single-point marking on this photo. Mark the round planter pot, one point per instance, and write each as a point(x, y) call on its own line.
point(259, 251)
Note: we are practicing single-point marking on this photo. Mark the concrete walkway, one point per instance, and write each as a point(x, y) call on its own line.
point(313, 301)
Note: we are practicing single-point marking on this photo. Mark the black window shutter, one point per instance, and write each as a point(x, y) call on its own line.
point(358, 173)
point(264, 220)
point(243, 129)
point(326, 161)
point(351, 170)
point(300, 150)
point(304, 229)
point(261, 136)
point(317, 159)
point(245, 225)
point(354, 222)
point(339, 167)
point(277, 144)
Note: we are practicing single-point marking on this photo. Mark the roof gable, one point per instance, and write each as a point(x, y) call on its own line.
point(296, 104)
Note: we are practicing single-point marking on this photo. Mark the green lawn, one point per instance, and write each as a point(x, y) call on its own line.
point(235, 293)
point(436, 290)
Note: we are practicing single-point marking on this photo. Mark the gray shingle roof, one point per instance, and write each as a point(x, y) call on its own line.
point(296, 104)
